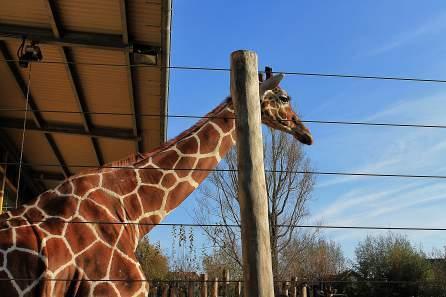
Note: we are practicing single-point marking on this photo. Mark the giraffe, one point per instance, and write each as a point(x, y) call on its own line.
point(79, 239)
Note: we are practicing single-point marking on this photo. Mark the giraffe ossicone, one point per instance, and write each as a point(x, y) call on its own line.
point(52, 246)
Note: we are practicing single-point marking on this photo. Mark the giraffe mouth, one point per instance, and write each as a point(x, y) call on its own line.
point(304, 137)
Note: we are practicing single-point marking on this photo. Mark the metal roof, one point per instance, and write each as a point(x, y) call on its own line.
point(87, 70)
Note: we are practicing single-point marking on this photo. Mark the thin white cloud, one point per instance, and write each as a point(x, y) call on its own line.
point(433, 25)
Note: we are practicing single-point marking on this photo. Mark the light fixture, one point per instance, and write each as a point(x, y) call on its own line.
point(144, 54)
point(28, 53)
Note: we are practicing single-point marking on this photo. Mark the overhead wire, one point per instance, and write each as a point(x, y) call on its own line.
point(355, 123)
point(307, 226)
point(222, 69)
point(359, 174)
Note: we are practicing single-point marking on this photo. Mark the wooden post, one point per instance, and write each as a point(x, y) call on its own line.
point(256, 252)
point(190, 289)
point(239, 289)
point(294, 287)
point(225, 282)
point(285, 288)
point(173, 291)
point(214, 292)
point(165, 290)
point(304, 290)
point(204, 285)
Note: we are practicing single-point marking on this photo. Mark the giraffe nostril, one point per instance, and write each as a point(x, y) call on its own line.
point(295, 120)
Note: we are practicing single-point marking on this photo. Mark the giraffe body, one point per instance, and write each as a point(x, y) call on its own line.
point(52, 246)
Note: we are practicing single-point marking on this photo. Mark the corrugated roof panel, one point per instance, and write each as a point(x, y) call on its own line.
point(50, 86)
point(11, 96)
point(144, 21)
point(105, 87)
point(99, 16)
point(151, 139)
point(36, 150)
point(25, 13)
point(81, 153)
point(113, 150)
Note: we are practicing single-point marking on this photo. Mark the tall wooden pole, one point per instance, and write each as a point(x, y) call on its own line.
point(257, 268)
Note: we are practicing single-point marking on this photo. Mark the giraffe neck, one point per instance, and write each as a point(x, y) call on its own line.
point(167, 175)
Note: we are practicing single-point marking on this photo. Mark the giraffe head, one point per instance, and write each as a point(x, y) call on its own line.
point(277, 112)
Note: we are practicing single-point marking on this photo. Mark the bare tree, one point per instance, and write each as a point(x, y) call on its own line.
point(313, 258)
point(289, 185)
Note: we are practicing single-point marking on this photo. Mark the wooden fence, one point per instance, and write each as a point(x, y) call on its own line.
point(219, 287)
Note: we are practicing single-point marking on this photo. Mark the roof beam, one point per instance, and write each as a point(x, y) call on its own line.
point(73, 77)
point(37, 118)
point(132, 96)
point(69, 38)
point(166, 21)
point(78, 93)
point(56, 127)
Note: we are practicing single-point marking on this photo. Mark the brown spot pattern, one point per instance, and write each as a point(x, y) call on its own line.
point(121, 269)
point(111, 203)
point(165, 159)
point(121, 181)
point(132, 206)
point(150, 175)
point(54, 205)
point(168, 180)
point(188, 146)
point(62, 256)
point(104, 290)
point(79, 236)
point(84, 183)
point(203, 163)
point(95, 266)
point(151, 198)
point(208, 132)
point(184, 163)
point(178, 194)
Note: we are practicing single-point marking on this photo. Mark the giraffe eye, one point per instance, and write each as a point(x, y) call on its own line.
point(284, 98)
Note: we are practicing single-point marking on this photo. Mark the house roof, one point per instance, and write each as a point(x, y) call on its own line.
point(88, 95)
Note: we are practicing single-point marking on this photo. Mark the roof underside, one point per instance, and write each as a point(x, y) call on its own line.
point(102, 104)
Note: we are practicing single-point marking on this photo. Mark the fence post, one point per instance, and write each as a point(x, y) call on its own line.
point(214, 292)
point(190, 288)
point(285, 287)
point(294, 287)
point(256, 252)
point(225, 282)
point(304, 290)
point(204, 285)
point(173, 291)
point(239, 289)
point(165, 290)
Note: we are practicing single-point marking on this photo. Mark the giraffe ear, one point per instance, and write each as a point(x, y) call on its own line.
point(270, 83)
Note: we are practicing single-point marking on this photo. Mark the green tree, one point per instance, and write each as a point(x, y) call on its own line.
point(394, 259)
point(153, 263)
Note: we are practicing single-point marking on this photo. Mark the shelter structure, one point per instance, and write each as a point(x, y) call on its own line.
point(98, 94)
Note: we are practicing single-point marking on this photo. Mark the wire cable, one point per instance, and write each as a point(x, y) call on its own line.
point(295, 73)
point(66, 221)
point(22, 144)
point(359, 174)
point(356, 123)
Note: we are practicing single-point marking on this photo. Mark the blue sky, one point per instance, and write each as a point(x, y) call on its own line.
point(384, 38)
